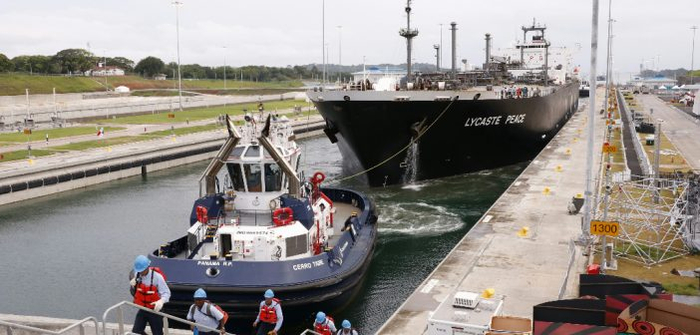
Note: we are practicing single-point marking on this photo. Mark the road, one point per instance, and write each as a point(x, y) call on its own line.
point(682, 129)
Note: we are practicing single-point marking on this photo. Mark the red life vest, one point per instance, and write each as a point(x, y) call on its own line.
point(144, 294)
point(324, 328)
point(268, 313)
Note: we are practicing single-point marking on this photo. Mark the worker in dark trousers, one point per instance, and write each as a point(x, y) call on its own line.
point(350, 224)
point(150, 291)
point(270, 316)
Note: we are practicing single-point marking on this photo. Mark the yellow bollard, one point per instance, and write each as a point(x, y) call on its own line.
point(568, 151)
point(488, 293)
point(523, 231)
point(546, 191)
point(30, 161)
point(558, 168)
point(174, 139)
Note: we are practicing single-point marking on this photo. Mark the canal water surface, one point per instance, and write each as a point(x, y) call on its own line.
point(68, 255)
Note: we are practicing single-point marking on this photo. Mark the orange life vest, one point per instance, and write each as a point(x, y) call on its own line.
point(323, 328)
point(144, 294)
point(268, 313)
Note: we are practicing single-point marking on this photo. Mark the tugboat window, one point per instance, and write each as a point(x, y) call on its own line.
point(253, 151)
point(237, 152)
point(234, 170)
point(273, 177)
point(253, 176)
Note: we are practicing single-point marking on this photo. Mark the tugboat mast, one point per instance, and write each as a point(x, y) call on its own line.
point(408, 34)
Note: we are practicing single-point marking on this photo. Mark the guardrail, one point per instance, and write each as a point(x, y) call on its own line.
point(166, 329)
point(641, 154)
point(10, 326)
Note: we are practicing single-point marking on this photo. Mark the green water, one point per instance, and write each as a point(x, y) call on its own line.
point(68, 255)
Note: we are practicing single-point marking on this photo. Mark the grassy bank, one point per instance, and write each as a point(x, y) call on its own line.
point(14, 84)
point(200, 113)
point(39, 135)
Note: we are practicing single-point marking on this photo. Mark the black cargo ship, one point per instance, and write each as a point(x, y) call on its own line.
point(438, 125)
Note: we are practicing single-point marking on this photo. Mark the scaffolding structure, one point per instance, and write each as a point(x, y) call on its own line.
point(658, 219)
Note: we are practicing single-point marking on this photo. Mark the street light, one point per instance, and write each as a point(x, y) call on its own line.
point(323, 37)
point(692, 55)
point(224, 67)
point(177, 5)
point(440, 56)
point(340, 44)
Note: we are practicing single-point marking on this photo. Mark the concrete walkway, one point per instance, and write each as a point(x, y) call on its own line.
point(682, 129)
point(529, 269)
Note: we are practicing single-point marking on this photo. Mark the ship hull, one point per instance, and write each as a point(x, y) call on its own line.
point(464, 135)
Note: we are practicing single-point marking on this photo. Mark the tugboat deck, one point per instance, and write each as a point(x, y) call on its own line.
point(343, 211)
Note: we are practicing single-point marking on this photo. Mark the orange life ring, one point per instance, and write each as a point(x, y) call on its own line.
point(282, 216)
point(202, 214)
point(319, 177)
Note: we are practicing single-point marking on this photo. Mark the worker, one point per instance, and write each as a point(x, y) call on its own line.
point(324, 325)
point(270, 316)
point(350, 224)
point(206, 313)
point(347, 329)
point(151, 291)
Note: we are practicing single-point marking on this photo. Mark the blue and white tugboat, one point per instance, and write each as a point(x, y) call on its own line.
point(263, 228)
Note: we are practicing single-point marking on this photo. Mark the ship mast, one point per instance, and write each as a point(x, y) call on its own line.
point(408, 34)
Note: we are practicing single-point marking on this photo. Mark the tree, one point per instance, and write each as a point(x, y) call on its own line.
point(121, 62)
point(5, 64)
point(150, 66)
point(74, 60)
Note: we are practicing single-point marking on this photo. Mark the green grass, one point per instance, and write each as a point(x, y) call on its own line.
point(99, 143)
point(184, 130)
point(40, 134)
point(15, 84)
point(22, 154)
point(683, 289)
point(199, 113)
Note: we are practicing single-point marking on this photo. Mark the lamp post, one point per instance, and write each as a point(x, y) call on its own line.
point(692, 55)
point(440, 55)
point(224, 67)
point(588, 205)
point(177, 5)
point(323, 37)
point(340, 52)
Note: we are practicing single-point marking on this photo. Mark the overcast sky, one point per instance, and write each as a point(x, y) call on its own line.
point(285, 32)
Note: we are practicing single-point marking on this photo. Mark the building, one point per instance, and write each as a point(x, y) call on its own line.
point(374, 74)
point(159, 76)
point(653, 83)
point(104, 71)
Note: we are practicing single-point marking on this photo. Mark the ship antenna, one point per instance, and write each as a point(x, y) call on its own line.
point(408, 34)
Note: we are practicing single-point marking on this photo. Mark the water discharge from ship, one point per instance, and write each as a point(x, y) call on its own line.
point(411, 164)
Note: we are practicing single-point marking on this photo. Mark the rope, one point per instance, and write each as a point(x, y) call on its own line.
point(420, 134)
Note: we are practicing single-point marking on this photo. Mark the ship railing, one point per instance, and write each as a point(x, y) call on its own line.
point(309, 331)
point(166, 318)
point(12, 327)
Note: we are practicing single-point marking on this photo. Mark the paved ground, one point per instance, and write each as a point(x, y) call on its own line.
point(528, 270)
point(682, 129)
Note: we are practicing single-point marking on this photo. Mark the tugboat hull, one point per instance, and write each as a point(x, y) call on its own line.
point(330, 278)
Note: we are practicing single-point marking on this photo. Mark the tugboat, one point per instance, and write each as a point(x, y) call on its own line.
point(265, 228)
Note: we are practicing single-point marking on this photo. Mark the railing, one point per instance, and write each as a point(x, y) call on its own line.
point(166, 329)
point(10, 326)
point(309, 331)
point(641, 154)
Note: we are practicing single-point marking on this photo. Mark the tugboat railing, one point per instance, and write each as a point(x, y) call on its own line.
point(10, 326)
point(166, 328)
point(309, 331)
